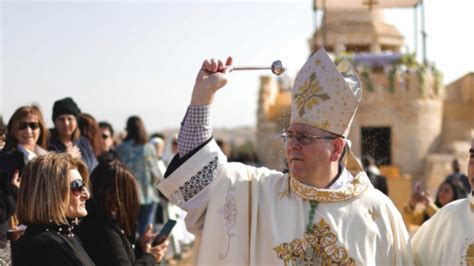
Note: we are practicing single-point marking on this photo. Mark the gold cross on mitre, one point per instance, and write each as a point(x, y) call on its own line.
point(370, 3)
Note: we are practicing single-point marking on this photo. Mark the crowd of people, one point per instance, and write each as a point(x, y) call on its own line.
point(52, 212)
point(71, 195)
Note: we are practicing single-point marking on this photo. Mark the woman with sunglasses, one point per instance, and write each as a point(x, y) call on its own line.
point(109, 229)
point(51, 198)
point(26, 139)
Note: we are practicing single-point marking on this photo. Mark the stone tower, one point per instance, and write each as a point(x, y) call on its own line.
point(399, 121)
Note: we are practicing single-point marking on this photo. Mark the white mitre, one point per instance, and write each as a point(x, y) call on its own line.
point(326, 96)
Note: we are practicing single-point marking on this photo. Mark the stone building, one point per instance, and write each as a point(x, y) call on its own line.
point(408, 120)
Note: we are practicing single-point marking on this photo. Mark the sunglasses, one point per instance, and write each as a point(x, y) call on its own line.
point(77, 186)
point(25, 125)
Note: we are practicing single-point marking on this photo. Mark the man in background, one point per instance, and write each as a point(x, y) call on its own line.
point(459, 176)
point(107, 137)
point(377, 180)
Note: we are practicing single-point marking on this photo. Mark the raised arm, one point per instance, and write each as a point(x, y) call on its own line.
point(196, 125)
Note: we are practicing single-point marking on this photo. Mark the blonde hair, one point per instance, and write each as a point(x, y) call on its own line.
point(43, 197)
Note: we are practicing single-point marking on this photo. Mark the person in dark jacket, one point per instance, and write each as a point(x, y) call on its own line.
point(459, 176)
point(51, 198)
point(377, 180)
point(108, 231)
point(66, 136)
point(8, 193)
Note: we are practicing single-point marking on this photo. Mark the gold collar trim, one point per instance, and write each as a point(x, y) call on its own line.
point(357, 186)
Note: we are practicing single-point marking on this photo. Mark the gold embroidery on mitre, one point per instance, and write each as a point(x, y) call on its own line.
point(470, 255)
point(319, 247)
point(309, 95)
point(357, 186)
point(325, 124)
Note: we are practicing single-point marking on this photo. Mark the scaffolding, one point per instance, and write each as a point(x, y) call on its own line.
point(417, 5)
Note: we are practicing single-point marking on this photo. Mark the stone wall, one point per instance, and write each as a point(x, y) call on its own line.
point(413, 115)
point(458, 118)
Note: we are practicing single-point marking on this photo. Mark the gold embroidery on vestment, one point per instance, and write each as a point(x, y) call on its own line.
point(470, 255)
point(318, 246)
point(374, 213)
point(356, 187)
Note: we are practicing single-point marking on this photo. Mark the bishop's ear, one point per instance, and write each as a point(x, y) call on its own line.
point(338, 149)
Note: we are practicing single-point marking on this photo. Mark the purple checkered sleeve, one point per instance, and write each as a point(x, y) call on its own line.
point(195, 128)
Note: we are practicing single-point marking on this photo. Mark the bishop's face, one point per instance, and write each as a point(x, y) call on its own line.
point(307, 160)
point(470, 167)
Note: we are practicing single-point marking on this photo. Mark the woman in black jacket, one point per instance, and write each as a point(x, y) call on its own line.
point(66, 136)
point(108, 231)
point(51, 198)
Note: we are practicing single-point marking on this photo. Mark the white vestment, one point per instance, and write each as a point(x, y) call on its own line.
point(242, 215)
point(447, 238)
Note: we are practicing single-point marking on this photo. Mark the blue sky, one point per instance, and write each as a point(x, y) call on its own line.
point(118, 59)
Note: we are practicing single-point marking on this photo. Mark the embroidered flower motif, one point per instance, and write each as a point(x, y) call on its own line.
point(309, 95)
point(283, 194)
point(374, 213)
point(198, 182)
point(319, 247)
point(229, 213)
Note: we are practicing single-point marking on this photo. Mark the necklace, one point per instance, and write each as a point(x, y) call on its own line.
point(313, 204)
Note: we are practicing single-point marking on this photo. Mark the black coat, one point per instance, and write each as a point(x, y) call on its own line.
point(378, 181)
point(10, 161)
point(8, 194)
point(49, 245)
point(107, 244)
